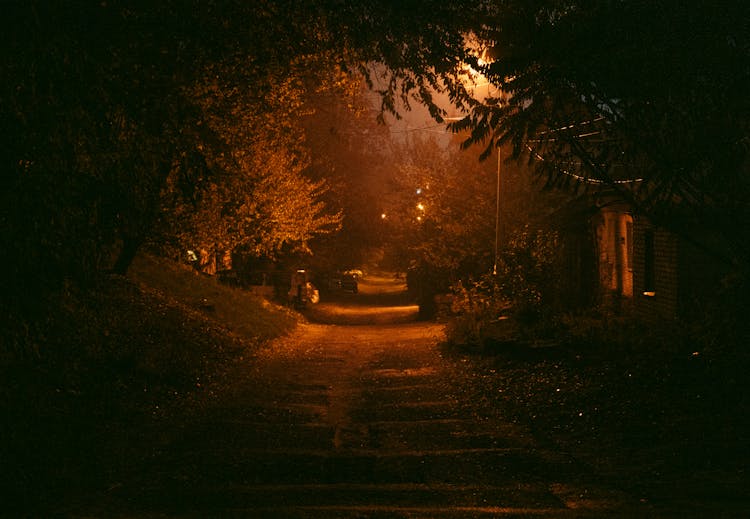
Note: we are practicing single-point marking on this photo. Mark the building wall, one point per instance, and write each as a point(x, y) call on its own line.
point(649, 271)
point(656, 278)
point(701, 276)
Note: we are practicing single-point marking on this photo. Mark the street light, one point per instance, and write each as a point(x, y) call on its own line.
point(497, 213)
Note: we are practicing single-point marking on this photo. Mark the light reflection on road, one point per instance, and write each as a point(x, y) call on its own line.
point(382, 299)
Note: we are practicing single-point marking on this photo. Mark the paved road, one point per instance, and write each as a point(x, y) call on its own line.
point(362, 421)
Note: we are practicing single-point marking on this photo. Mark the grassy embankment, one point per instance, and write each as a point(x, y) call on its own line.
point(106, 367)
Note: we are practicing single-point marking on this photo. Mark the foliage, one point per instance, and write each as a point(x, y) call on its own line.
point(104, 104)
point(527, 273)
point(476, 307)
point(442, 222)
point(644, 99)
point(420, 46)
point(352, 152)
point(524, 289)
point(440, 210)
point(248, 193)
point(82, 138)
point(253, 193)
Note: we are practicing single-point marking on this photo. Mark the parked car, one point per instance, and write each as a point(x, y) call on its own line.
point(356, 273)
point(302, 291)
point(349, 283)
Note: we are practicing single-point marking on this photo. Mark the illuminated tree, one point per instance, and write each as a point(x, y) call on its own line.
point(104, 104)
point(352, 152)
point(247, 190)
point(442, 214)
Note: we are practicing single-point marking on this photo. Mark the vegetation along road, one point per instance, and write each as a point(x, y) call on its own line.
point(360, 420)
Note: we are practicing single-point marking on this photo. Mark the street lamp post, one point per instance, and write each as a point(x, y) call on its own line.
point(497, 213)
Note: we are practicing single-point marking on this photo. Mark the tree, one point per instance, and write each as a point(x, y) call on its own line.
point(442, 208)
point(245, 190)
point(98, 107)
point(647, 99)
point(441, 211)
point(352, 152)
point(83, 136)
point(99, 101)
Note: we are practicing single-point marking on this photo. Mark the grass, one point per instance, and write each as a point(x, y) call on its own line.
point(99, 370)
point(242, 313)
point(652, 411)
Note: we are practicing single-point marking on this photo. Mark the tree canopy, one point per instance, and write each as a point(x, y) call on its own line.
point(117, 116)
point(644, 98)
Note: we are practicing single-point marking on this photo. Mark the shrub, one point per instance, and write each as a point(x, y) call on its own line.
point(525, 288)
point(476, 307)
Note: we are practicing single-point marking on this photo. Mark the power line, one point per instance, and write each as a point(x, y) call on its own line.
point(583, 179)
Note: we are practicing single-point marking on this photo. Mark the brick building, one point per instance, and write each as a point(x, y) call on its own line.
point(650, 271)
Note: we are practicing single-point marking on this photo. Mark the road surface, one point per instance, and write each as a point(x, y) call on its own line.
point(367, 420)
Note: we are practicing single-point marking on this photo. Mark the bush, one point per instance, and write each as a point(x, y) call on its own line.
point(527, 273)
point(524, 289)
point(476, 308)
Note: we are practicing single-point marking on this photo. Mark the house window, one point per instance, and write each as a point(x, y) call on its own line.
point(649, 281)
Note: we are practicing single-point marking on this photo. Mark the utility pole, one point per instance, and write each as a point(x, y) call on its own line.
point(497, 214)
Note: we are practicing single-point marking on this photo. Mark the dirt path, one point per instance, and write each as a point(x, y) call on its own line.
point(366, 420)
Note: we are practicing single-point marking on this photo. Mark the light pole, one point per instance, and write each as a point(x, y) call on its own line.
point(497, 213)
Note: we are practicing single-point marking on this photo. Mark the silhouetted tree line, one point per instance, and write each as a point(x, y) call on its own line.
point(645, 99)
point(122, 120)
point(174, 122)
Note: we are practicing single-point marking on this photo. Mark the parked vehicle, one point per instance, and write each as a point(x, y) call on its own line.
point(349, 283)
point(356, 273)
point(302, 291)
